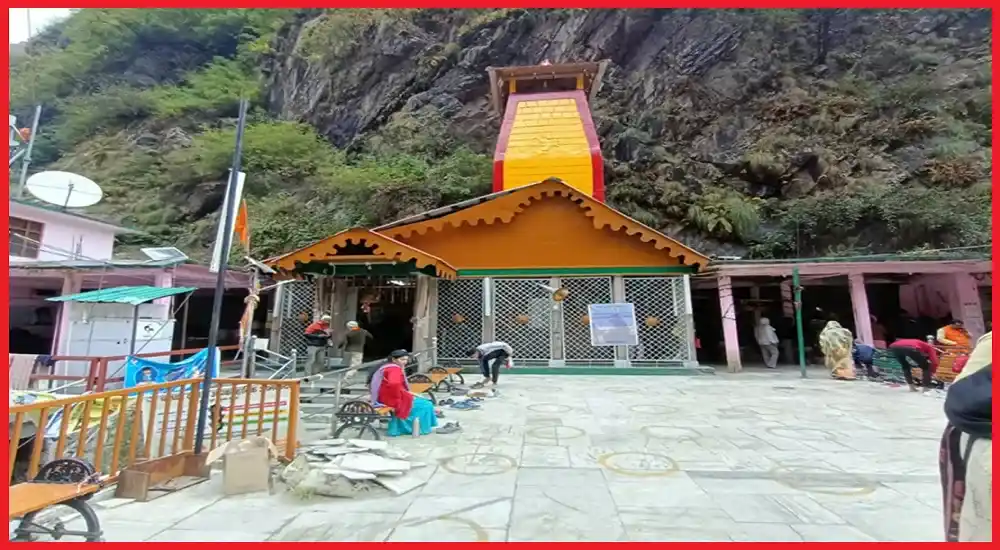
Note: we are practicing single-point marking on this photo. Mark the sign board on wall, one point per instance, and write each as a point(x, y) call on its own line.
point(613, 325)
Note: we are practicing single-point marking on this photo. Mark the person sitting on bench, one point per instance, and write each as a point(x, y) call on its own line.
point(491, 356)
point(389, 388)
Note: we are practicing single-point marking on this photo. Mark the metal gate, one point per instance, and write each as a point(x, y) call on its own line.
point(523, 313)
point(459, 317)
point(666, 333)
point(576, 323)
point(298, 301)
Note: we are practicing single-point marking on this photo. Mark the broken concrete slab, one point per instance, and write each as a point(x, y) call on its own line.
point(406, 483)
point(349, 474)
point(327, 443)
point(367, 444)
point(367, 462)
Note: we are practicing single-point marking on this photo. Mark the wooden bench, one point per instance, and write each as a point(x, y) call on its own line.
point(65, 481)
point(361, 415)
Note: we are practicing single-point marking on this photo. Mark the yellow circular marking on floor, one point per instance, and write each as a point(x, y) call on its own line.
point(450, 465)
point(481, 534)
point(789, 476)
point(549, 408)
point(555, 432)
point(620, 389)
point(607, 461)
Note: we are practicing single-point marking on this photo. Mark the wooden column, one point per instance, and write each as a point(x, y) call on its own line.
point(729, 331)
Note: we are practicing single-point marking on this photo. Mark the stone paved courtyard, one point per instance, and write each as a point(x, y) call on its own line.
point(747, 457)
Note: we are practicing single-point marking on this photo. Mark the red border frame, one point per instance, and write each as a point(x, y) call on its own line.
point(5, 289)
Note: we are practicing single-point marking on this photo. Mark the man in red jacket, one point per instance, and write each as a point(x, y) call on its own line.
point(911, 352)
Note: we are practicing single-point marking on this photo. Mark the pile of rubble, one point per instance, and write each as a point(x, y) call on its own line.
point(351, 468)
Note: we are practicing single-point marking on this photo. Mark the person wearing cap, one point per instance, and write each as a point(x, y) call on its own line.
point(389, 388)
point(353, 345)
point(317, 339)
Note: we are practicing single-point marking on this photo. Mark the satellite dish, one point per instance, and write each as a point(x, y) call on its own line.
point(165, 253)
point(65, 189)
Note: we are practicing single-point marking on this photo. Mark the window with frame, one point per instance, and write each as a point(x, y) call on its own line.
point(25, 236)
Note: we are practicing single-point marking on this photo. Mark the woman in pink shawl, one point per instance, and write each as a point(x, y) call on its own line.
point(389, 388)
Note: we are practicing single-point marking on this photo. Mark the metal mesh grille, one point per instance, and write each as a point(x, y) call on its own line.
point(460, 317)
point(576, 326)
point(297, 303)
point(523, 313)
point(664, 333)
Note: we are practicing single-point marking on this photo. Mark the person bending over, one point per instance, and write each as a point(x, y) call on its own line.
point(491, 356)
point(912, 352)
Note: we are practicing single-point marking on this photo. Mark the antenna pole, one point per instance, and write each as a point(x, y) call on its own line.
point(220, 280)
point(26, 161)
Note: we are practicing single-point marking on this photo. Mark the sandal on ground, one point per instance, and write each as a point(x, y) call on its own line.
point(449, 428)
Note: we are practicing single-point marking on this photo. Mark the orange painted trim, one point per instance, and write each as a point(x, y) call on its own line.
point(502, 209)
point(384, 248)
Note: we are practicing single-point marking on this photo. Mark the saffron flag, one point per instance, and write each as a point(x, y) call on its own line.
point(242, 228)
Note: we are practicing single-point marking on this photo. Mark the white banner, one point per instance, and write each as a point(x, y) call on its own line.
point(217, 252)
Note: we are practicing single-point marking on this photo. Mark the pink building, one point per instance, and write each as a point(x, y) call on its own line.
point(867, 297)
point(55, 252)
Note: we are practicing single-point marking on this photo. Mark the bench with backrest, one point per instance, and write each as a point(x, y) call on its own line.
point(65, 481)
point(360, 415)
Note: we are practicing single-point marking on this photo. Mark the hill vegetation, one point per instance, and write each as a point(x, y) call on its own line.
point(763, 133)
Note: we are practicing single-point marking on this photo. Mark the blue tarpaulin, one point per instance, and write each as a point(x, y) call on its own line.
point(146, 371)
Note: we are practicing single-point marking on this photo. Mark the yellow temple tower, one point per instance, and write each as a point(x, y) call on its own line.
point(547, 130)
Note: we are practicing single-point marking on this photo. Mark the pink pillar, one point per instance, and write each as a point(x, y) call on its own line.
point(72, 283)
point(164, 279)
point(967, 306)
point(729, 332)
point(859, 302)
point(787, 299)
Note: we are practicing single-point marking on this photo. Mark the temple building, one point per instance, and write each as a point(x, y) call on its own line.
point(522, 264)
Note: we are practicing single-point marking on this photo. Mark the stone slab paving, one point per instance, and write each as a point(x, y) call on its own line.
point(746, 457)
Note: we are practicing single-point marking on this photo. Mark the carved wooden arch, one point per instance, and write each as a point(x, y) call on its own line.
point(381, 246)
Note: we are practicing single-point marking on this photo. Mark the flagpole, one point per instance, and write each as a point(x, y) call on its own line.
point(220, 280)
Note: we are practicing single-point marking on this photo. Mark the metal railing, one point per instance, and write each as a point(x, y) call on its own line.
point(97, 378)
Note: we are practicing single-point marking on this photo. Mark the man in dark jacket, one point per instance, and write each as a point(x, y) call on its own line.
point(353, 345)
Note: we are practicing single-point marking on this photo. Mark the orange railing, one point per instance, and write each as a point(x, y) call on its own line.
point(97, 378)
point(150, 422)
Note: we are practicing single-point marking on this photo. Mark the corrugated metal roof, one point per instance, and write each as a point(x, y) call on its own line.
point(132, 295)
point(25, 263)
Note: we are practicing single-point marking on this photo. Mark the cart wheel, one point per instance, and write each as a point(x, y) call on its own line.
point(362, 430)
point(27, 529)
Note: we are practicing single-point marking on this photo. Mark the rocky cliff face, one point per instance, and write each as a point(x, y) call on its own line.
point(750, 132)
point(780, 103)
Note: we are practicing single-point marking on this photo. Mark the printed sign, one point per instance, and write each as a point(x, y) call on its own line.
point(613, 325)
